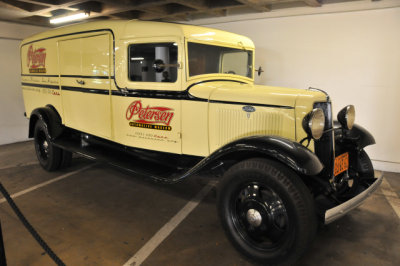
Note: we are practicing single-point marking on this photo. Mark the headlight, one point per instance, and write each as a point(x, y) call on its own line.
point(346, 116)
point(314, 123)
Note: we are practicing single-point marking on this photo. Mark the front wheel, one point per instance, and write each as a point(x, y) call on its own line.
point(267, 211)
point(360, 176)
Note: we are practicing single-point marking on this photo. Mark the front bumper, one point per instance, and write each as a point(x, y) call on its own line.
point(340, 210)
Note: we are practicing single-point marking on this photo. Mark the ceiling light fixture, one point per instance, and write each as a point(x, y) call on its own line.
point(70, 17)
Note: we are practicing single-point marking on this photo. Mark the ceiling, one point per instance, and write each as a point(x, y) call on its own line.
point(38, 12)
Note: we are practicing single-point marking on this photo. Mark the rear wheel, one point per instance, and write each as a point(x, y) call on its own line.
point(267, 211)
point(66, 159)
point(48, 155)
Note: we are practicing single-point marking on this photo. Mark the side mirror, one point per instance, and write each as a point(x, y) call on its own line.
point(158, 65)
point(259, 70)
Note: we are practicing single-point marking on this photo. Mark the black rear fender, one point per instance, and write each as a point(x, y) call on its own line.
point(51, 118)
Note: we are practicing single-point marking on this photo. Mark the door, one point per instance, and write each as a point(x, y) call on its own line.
point(149, 117)
point(85, 70)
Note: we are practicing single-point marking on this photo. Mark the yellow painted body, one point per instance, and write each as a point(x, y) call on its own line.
point(85, 66)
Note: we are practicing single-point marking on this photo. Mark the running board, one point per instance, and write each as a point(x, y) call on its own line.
point(122, 160)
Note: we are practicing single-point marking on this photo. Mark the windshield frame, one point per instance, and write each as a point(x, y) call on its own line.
point(218, 75)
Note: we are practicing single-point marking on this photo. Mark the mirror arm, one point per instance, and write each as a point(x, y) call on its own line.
point(259, 70)
point(178, 65)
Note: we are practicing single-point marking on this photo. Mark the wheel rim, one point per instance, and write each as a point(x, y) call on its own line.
point(260, 217)
point(42, 145)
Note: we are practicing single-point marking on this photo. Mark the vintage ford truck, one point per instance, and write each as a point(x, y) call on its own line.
point(181, 100)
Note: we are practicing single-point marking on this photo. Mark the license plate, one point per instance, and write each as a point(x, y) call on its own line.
point(341, 163)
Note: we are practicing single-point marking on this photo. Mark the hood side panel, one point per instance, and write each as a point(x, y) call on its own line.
point(228, 122)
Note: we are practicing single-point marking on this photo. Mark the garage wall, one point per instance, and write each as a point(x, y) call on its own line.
point(13, 124)
point(354, 56)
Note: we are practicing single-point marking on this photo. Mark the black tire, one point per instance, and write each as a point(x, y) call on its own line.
point(364, 166)
point(361, 174)
point(66, 159)
point(48, 155)
point(286, 222)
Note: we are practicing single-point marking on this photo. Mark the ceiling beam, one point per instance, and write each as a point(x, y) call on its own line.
point(47, 10)
point(90, 6)
point(195, 4)
point(40, 2)
point(143, 9)
point(313, 3)
point(219, 12)
point(182, 17)
point(137, 5)
point(204, 7)
point(112, 7)
point(254, 5)
point(25, 7)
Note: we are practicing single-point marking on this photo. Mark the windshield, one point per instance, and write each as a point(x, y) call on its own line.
point(210, 59)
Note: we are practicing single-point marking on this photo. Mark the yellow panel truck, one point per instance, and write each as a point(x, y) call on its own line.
point(168, 101)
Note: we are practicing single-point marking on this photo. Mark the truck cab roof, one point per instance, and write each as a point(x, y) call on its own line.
point(129, 29)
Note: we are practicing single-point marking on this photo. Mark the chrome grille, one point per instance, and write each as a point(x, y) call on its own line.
point(325, 147)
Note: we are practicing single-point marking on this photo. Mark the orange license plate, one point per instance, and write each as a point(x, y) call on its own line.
point(341, 163)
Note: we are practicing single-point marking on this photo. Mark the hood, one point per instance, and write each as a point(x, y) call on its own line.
point(229, 91)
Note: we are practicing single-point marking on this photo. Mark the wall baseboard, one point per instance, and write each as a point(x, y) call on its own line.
point(386, 166)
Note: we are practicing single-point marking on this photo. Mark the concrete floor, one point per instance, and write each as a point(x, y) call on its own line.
point(102, 216)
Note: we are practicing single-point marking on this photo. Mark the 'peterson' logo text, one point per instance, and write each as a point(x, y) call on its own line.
point(149, 117)
point(36, 60)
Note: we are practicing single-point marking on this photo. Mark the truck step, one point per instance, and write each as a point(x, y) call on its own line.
point(123, 160)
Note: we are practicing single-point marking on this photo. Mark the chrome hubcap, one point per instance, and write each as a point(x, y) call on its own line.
point(254, 217)
point(260, 216)
point(46, 146)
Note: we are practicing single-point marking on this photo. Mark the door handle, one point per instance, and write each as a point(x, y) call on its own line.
point(81, 82)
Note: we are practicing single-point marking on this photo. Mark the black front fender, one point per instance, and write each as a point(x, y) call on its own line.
point(358, 135)
point(361, 136)
point(290, 153)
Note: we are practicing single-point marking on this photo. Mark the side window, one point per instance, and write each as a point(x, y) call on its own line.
point(153, 62)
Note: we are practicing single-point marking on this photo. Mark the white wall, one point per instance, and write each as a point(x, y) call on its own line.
point(354, 56)
point(13, 124)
